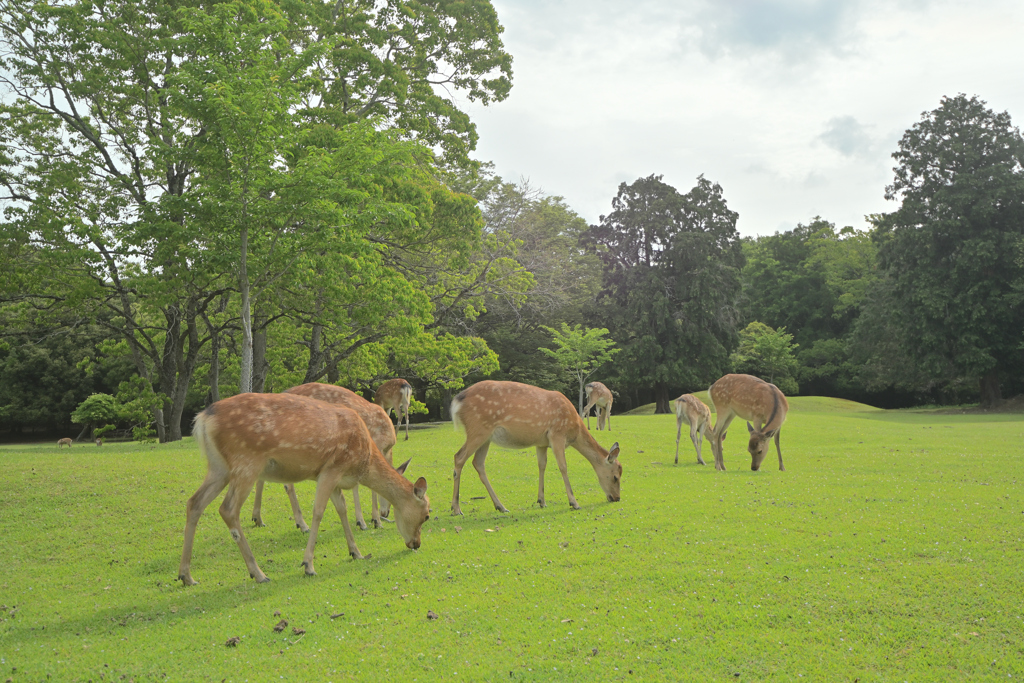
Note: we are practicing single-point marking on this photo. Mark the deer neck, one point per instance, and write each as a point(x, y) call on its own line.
point(588, 446)
point(385, 480)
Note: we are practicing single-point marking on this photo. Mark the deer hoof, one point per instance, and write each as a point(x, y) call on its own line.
point(187, 580)
point(574, 506)
point(361, 525)
point(256, 521)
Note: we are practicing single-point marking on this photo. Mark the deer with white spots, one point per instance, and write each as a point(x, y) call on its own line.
point(750, 398)
point(395, 394)
point(381, 431)
point(286, 438)
point(692, 411)
point(515, 415)
point(599, 396)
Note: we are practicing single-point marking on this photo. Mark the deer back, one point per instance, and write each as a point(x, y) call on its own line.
point(373, 416)
point(515, 415)
point(751, 399)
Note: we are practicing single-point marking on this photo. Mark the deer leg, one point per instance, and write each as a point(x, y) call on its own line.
point(238, 491)
point(478, 463)
point(360, 522)
point(696, 438)
point(385, 506)
point(204, 495)
point(460, 461)
point(679, 432)
point(558, 446)
point(406, 424)
point(338, 496)
point(324, 487)
point(719, 436)
point(294, 500)
point(778, 433)
point(257, 505)
point(542, 463)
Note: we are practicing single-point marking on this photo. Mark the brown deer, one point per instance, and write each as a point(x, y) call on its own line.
point(692, 411)
point(749, 398)
point(515, 415)
point(395, 394)
point(287, 438)
point(381, 431)
point(61, 443)
point(601, 396)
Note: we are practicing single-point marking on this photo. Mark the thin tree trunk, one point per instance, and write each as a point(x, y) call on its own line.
point(245, 381)
point(991, 393)
point(661, 406)
point(260, 366)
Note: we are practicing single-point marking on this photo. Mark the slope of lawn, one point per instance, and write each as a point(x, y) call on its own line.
point(889, 550)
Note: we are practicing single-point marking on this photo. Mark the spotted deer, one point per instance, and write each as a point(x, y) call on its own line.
point(515, 415)
point(600, 396)
point(377, 422)
point(61, 443)
point(749, 398)
point(395, 394)
point(286, 438)
point(692, 411)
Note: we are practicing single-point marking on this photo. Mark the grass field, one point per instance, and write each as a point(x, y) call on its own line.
point(890, 550)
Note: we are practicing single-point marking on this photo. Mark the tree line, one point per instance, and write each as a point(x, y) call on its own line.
point(202, 201)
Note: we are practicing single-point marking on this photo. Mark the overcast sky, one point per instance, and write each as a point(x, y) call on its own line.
point(793, 106)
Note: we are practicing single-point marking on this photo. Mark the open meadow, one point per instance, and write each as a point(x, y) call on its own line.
point(890, 550)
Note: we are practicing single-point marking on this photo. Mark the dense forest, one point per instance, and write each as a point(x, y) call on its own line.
point(245, 196)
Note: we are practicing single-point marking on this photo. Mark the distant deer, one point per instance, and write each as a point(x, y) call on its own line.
point(61, 443)
point(692, 411)
point(395, 394)
point(749, 398)
point(381, 431)
point(287, 438)
point(601, 396)
point(515, 415)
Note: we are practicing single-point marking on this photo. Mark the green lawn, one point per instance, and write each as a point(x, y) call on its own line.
point(889, 550)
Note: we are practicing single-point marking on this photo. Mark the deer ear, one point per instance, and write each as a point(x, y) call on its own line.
point(750, 428)
point(401, 468)
point(420, 489)
point(613, 453)
point(769, 435)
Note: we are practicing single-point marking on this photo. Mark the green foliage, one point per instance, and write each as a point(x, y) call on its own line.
point(890, 541)
point(97, 409)
point(581, 352)
point(671, 276)
point(768, 354)
point(949, 251)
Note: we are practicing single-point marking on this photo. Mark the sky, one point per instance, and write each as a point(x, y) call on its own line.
point(793, 106)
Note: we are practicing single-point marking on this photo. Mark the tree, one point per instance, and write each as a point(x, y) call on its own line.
point(581, 352)
point(671, 277)
point(768, 354)
point(949, 250)
point(94, 410)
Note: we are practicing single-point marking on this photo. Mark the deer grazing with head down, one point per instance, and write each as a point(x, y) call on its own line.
point(749, 398)
point(692, 411)
point(395, 394)
point(286, 438)
point(61, 443)
point(600, 396)
point(377, 422)
point(515, 415)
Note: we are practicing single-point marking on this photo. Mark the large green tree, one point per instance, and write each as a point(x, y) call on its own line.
point(949, 251)
point(671, 273)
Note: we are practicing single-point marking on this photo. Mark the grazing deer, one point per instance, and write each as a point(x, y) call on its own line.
point(377, 422)
point(692, 411)
point(61, 443)
point(601, 396)
point(515, 415)
point(395, 394)
point(287, 438)
point(750, 398)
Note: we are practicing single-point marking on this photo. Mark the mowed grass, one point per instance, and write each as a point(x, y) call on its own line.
point(889, 550)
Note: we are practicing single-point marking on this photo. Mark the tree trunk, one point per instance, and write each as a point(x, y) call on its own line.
point(580, 409)
point(260, 366)
point(316, 354)
point(446, 404)
point(245, 380)
point(991, 393)
point(661, 406)
point(214, 378)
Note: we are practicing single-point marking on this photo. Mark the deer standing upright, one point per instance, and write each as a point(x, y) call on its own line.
point(515, 415)
point(601, 396)
point(692, 411)
point(395, 394)
point(287, 438)
point(377, 422)
point(750, 398)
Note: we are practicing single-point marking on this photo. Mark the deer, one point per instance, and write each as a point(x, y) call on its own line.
point(61, 443)
point(515, 415)
point(692, 411)
point(601, 396)
point(287, 438)
point(750, 398)
point(377, 422)
point(395, 394)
